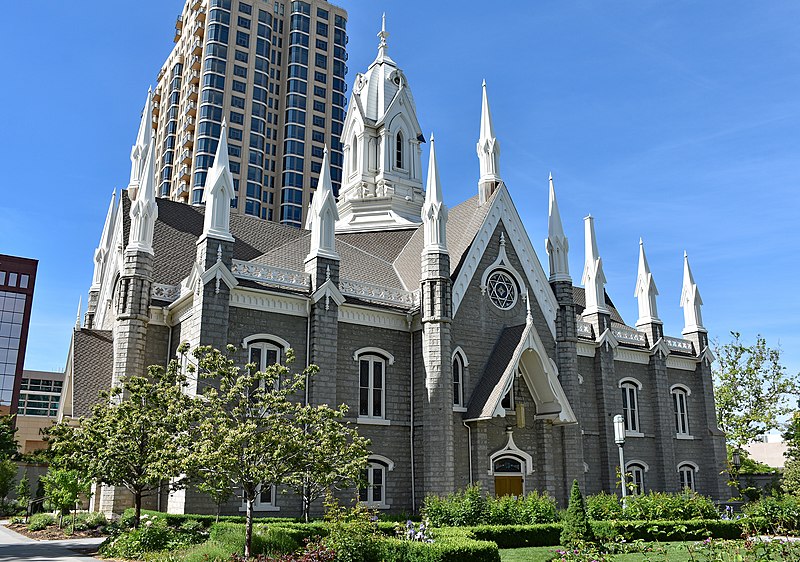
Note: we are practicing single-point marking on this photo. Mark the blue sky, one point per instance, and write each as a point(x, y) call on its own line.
point(678, 122)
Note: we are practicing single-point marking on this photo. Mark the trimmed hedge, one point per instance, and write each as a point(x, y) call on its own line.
point(177, 519)
point(517, 536)
point(454, 548)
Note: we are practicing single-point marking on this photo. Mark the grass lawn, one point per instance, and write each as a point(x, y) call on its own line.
point(671, 551)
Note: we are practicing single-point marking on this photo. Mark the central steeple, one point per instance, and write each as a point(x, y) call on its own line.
point(382, 176)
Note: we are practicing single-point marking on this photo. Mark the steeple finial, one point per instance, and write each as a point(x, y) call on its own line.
point(105, 243)
point(383, 35)
point(218, 193)
point(140, 147)
point(645, 291)
point(144, 209)
point(594, 280)
point(691, 302)
point(434, 211)
point(557, 245)
point(322, 215)
point(78, 315)
point(488, 153)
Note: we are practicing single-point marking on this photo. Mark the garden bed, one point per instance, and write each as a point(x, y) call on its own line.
point(54, 533)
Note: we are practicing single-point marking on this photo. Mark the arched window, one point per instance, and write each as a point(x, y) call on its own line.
point(398, 151)
point(635, 471)
point(373, 494)
point(458, 381)
point(507, 465)
point(264, 350)
point(354, 149)
point(372, 363)
point(686, 472)
point(680, 402)
point(630, 404)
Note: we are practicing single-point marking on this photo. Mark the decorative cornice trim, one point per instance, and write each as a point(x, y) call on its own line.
point(631, 356)
point(681, 363)
point(269, 302)
point(585, 349)
point(363, 316)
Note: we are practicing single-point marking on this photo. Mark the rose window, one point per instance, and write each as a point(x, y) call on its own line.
point(502, 290)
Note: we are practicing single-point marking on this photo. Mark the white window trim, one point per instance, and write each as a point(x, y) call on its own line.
point(459, 354)
point(387, 359)
point(388, 466)
point(645, 469)
point(277, 340)
point(674, 390)
point(258, 506)
point(622, 384)
point(694, 469)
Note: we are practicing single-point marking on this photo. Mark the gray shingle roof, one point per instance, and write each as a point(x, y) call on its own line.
point(579, 296)
point(92, 366)
point(489, 387)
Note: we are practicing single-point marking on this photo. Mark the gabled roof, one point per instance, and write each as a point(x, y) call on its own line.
point(92, 368)
point(579, 296)
point(489, 390)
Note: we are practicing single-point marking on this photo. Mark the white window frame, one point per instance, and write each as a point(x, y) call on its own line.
point(637, 469)
point(686, 473)
point(383, 465)
point(373, 355)
point(460, 359)
point(399, 150)
point(630, 388)
point(680, 393)
point(258, 505)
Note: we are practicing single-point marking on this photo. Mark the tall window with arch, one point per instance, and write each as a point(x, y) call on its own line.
point(630, 405)
point(458, 381)
point(374, 477)
point(264, 350)
point(398, 150)
point(372, 386)
point(680, 404)
point(686, 476)
point(354, 155)
point(636, 472)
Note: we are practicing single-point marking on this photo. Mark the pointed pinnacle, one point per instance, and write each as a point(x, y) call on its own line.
point(433, 192)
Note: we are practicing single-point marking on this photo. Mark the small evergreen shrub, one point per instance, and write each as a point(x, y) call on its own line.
point(41, 521)
point(576, 525)
point(682, 506)
point(603, 507)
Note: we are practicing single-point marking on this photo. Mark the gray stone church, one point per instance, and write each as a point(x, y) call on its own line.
point(460, 358)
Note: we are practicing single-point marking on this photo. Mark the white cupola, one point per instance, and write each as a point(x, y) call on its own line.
point(434, 211)
point(381, 175)
point(218, 193)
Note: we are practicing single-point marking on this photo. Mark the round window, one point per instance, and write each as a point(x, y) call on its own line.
point(502, 290)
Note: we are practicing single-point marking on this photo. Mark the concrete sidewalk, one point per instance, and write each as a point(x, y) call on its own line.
point(17, 548)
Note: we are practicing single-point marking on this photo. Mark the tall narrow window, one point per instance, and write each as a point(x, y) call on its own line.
point(354, 148)
point(680, 404)
point(398, 151)
point(371, 386)
point(636, 481)
point(630, 406)
point(686, 476)
point(374, 477)
point(458, 381)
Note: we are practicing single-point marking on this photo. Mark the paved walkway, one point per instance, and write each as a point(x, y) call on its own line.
point(17, 548)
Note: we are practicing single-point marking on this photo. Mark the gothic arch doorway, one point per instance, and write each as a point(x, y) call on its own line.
point(508, 476)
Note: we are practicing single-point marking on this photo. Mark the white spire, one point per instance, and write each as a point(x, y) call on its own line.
point(78, 315)
point(434, 211)
point(218, 193)
point(691, 302)
point(488, 153)
point(594, 280)
point(383, 47)
point(144, 210)
point(322, 215)
point(645, 291)
point(557, 245)
point(105, 241)
point(139, 150)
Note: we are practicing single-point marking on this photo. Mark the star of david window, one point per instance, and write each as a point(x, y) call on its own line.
point(502, 290)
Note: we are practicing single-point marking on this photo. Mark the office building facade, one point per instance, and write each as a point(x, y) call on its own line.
point(274, 71)
point(17, 278)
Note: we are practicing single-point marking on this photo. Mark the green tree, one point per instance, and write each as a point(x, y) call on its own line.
point(63, 488)
point(23, 491)
point(334, 455)
point(251, 427)
point(8, 441)
point(8, 471)
point(576, 525)
point(791, 435)
point(135, 437)
point(751, 388)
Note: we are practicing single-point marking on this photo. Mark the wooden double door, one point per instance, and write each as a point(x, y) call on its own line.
point(507, 486)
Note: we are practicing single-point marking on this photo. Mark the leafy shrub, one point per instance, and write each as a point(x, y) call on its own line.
point(468, 507)
point(683, 506)
point(153, 535)
point(96, 519)
point(209, 551)
point(576, 528)
point(533, 507)
point(18, 520)
point(41, 521)
point(177, 519)
point(603, 506)
point(695, 529)
point(352, 533)
point(231, 535)
point(782, 513)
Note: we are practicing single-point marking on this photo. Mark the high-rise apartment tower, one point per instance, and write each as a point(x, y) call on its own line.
point(275, 72)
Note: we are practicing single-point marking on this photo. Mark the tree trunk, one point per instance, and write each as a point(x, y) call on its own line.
point(248, 528)
point(137, 498)
point(306, 502)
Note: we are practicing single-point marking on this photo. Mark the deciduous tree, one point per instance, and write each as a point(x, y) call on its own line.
point(63, 488)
